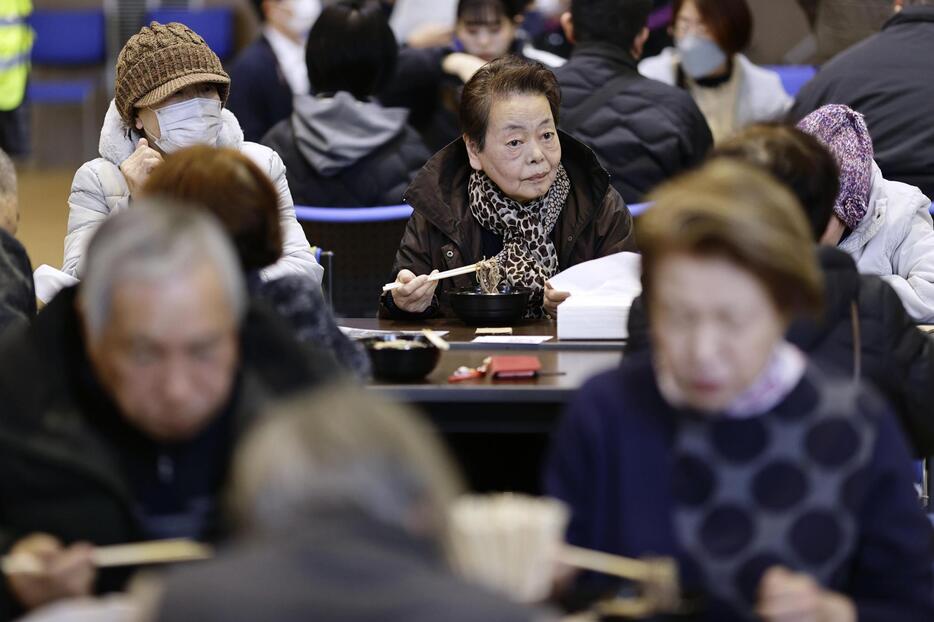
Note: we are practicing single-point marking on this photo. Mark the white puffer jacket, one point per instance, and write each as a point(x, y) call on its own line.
point(895, 240)
point(761, 94)
point(99, 190)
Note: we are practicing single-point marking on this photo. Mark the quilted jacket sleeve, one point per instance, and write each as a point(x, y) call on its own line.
point(98, 190)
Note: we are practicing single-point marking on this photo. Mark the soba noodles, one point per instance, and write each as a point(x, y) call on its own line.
point(489, 275)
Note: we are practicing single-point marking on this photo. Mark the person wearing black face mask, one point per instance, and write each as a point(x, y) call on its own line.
point(730, 90)
point(170, 93)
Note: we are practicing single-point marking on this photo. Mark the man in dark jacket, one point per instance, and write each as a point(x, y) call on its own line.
point(839, 24)
point(123, 400)
point(270, 71)
point(889, 78)
point(17, 291)
point(864, 329)
point(643, 131)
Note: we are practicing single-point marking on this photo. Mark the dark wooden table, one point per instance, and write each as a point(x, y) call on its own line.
point(498, 430)
point(461, 336)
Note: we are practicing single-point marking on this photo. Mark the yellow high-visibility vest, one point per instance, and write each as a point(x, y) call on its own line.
point(15, 44)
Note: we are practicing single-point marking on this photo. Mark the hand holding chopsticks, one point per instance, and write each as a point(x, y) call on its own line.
point(142, 553)
point(436, 276)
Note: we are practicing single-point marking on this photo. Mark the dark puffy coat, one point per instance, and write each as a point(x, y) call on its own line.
point(431, 95)
point(295, 298)
point(318, 573)
point(442, 233)
point(260, 97)
point(379, 178)
point(17, 290)
point(646, 133)
point(890, 79)
point(61, 473)
point(893, 354)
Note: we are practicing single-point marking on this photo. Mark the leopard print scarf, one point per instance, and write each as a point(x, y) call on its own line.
point(528, 257)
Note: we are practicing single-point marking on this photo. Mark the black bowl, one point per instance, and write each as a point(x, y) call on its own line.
point(413, 361)
point(479, 309)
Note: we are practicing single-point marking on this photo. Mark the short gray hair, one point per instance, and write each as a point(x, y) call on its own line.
point(155, 240)
point(7, 175)
point(9, 201)
point(340, 448)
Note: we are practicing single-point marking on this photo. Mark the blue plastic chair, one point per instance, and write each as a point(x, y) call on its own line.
point(362, 242)
point(69, 39)
point(353, 214)
point(793, 76)
point(214, 24)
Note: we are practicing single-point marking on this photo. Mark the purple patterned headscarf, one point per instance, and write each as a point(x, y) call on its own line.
point(843, 131)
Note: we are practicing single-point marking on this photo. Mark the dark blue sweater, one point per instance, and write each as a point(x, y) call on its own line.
point(617, 461)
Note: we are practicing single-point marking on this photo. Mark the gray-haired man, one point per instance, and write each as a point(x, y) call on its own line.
point(121, 404)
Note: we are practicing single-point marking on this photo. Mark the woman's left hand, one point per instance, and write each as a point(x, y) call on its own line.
point(786, 596)
point(553, 298)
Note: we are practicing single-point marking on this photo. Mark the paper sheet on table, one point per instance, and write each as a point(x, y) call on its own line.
point(616, 274)
point(363, 333)
point(49, 281)
point(528, 339)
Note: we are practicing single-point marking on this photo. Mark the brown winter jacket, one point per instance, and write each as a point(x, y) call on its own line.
point(443, 234)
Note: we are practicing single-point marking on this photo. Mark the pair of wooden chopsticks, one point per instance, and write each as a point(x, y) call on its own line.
point(436, 277)
point(138, 554)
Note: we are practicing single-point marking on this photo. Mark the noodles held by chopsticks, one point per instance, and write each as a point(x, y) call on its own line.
point(489, 275)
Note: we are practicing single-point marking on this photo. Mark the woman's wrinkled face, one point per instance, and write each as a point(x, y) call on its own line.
point(486, 38)
point(714, 327)
point(522, 151)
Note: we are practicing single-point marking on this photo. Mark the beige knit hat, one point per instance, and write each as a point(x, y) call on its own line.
point(161, 59)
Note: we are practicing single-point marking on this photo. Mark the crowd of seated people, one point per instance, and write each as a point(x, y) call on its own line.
point(194, 383)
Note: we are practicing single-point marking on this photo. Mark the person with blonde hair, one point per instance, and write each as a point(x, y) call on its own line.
point(343, 499)
point(782, 491)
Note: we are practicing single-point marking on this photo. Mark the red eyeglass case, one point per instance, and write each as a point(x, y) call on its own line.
point(514, 367)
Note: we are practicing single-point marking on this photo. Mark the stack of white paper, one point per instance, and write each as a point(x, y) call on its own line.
point(602, 292)
point(594, 317)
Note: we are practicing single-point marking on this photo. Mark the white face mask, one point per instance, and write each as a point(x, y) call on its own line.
point(304, 15)
point(700, 56)
point(191, 122)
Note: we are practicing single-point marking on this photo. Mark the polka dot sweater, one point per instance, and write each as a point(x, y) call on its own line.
point(821, 484)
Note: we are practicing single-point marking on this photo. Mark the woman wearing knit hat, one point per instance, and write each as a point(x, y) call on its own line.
point(170, 92)
point(884, 225)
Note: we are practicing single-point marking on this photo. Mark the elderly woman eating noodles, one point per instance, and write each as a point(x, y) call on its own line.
point(784, 492)
point(513, 189)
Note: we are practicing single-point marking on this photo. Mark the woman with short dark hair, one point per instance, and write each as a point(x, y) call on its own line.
point(512, 188)
point(784, 492)
point(341, 148)
point(707, 61)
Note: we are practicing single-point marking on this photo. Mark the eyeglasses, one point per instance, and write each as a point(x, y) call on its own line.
point(686, 25)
